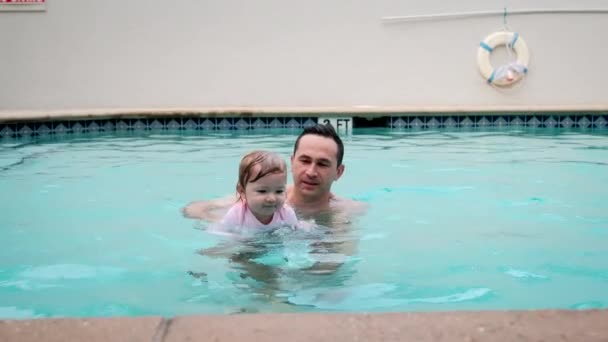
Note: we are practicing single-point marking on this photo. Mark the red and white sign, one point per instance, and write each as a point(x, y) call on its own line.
point(22, 5)
point(22, 1)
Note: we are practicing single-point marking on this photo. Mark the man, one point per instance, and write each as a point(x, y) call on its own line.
point(316, 164)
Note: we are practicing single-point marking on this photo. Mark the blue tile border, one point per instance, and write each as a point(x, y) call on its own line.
point(60, 128)
point(78, 127)
point(469, 121)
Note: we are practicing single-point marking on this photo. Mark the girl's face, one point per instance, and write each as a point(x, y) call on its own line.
point(266, 195)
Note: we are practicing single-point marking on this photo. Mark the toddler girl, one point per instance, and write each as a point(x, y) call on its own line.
point(261, 194)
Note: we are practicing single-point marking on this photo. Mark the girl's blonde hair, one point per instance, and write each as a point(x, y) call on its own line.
point(258, 164)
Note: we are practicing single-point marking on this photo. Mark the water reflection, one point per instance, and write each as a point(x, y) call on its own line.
point(274, 266)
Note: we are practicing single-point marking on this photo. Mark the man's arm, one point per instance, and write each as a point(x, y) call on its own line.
point(346, 209)
point(211, 210)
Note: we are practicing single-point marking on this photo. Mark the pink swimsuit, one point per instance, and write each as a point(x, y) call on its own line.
point(239, 215)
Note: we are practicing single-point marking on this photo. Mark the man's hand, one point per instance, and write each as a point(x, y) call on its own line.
point(212, 210)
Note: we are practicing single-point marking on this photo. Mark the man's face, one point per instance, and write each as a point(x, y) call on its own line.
point(315, 167)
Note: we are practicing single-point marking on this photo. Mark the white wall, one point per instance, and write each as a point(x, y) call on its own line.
point(91, 54)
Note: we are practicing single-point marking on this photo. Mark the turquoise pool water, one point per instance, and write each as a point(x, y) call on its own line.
point(476, 220)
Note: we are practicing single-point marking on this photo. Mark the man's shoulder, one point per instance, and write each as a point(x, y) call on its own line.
point(348, 205)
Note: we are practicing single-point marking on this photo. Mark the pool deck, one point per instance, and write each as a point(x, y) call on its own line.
point(361, 111)
point(545, 325)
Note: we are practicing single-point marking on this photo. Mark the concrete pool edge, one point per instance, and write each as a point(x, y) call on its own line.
point(549, 325)
point(16, 115)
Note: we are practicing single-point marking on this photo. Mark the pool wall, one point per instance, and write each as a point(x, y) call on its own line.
point(17, 126)
point(150, 54)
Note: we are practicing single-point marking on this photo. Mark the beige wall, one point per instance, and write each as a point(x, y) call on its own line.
point(91, 54)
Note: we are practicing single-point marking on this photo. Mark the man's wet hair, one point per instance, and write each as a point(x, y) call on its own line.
point(326, 131)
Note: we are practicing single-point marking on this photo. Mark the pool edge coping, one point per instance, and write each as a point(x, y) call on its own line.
point(563, 325)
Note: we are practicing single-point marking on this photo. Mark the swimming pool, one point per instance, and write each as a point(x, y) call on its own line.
point(458, 220)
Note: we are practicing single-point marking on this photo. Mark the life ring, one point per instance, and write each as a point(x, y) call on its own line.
point(508, 74)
